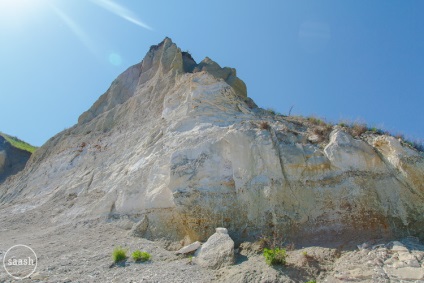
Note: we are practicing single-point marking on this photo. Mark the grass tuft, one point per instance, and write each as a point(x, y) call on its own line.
point(140, 256)
point(119, 254)
point(275, 256)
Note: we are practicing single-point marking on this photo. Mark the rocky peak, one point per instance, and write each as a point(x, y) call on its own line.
point(162, 60)
point(227, 74)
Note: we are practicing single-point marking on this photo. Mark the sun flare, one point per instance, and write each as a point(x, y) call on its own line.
point(14, 12)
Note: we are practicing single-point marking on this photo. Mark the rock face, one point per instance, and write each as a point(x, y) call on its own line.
point(12, 159)
point(217, 252)
point(177, 148)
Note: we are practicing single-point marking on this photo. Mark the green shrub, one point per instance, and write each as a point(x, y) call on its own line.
point(415, 144)
point(140, 256)
point(275, 256)
point(271, 111)
point(190, 259)
point(119, 254)
point(312, 281)
point(376, 130)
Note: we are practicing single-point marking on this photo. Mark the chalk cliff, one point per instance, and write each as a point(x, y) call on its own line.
point(176, 148)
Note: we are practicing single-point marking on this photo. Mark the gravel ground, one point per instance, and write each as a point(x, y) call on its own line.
point(83, 253)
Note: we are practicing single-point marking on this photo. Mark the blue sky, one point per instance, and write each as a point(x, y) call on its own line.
point(340, 60)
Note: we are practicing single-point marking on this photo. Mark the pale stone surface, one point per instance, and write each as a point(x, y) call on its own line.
point(190, 248)
point(39, 276)
point(221, 231)
point(217, 252)
point(139, 229)
point(394, 262)
point(347, 153)
point(408, 273)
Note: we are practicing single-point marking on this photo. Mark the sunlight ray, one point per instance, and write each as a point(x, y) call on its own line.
point(121, 12)
point(77, 30)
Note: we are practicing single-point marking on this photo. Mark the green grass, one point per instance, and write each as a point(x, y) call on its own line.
point(140, 256)
point(316, 121)
point(119, 254)
point(17, 143)
point(275, 256)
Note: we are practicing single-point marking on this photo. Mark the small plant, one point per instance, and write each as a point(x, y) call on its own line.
point(275, 256)
point(376, 130)
point(140, 256)
point(312, 281)
point(358, 129)
point(119, 254)
point(264, 125)
point(271, 111)
point(415, 144)
point(316, 121)
point(190, 259)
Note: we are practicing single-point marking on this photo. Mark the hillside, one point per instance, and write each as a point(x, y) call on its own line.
point(14, 154)
point(18, 143)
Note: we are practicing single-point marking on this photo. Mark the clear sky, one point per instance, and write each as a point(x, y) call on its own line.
point(356, 60)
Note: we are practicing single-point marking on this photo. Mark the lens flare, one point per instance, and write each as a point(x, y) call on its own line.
point(121, 12)
point(115, 59)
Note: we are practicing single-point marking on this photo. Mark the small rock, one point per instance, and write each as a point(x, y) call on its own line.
point(361, 273)
point(378, 246)
point(399, 264)
point(409, 273)
point(38, 276)
point(378, 261)
point(398, 247)
point(404, 256)
point(140, 228)
point(413, 263)
point(419, 255)
point(363, 246)
point(190, 248)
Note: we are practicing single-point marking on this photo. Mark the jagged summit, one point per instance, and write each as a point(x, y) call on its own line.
point(162, 61)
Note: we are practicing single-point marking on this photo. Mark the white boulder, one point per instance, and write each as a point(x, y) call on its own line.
point(217, 252)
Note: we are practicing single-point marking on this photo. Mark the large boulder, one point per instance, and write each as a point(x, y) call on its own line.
point(217, 252)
